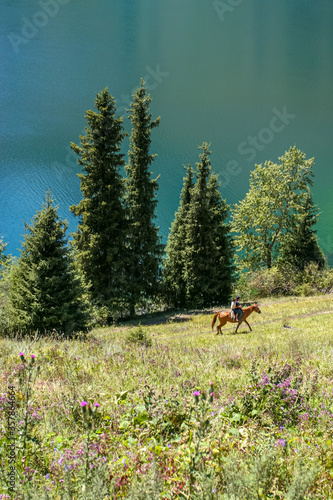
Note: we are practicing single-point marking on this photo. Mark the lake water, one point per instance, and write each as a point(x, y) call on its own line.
point(252, 77)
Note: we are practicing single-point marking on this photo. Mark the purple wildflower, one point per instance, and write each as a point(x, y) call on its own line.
point(281, 442)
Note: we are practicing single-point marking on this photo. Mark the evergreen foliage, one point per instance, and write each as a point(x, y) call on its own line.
point(174, 263)
point(5, 263)
point(144, 248)
point(200, 250)
point(46, 293)
point(300, 247)
point(100, 237)
point(273, 206)
point(3, 257)
point(208, 255)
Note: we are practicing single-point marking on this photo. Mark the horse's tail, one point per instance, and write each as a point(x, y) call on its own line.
point(214, 319)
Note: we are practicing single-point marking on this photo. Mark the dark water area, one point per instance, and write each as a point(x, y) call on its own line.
point(252, 79)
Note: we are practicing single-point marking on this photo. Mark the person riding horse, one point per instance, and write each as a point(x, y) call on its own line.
point(236, 312)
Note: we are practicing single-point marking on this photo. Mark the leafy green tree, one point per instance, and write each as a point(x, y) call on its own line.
point(46, 293)
point(300, 247)
point(208, 253)
point(272, 207)
point(144, 248)
point(174, 262)
point(100, 237)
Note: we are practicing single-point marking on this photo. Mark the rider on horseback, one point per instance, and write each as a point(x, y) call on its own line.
point(236, 310)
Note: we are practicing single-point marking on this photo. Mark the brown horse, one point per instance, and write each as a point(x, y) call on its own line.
point(225, 317)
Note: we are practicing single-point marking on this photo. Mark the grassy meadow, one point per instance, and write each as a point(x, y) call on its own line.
point(164, 408)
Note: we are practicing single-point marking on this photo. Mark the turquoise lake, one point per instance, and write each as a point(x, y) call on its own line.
point(251, 77)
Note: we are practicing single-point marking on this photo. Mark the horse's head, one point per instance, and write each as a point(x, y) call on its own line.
point(256, 308)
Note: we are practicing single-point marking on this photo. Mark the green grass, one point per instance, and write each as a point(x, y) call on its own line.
point(149, 435)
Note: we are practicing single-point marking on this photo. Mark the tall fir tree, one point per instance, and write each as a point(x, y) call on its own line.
point(198, 268)
point(101, 233)
point(144, 248)
point(46, 292)
point(174, 262)
point(222, 251)
point(3, 257)
point(300, 247)
point(208, 254)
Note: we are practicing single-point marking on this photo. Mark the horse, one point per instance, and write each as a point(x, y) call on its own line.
point(224, 318)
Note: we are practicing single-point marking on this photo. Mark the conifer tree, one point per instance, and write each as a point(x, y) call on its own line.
point(46, 293)
point(300, 247)
point(174, 263)
point(208, 256)
point(100, 237)
point(222, 250)
point(3, 257)
point(144, 248)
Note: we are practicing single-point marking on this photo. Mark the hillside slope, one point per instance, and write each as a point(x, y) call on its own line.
point(266, 432)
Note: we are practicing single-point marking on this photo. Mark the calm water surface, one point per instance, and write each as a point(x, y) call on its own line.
point(252, 80)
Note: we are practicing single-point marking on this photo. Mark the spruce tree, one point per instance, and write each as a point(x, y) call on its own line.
point(300, 247)
point(46, 293)
point(144, 248)
point(174, 263)
point(100, 237)
point(222, 250)
point(208, 254)
point(3, 257)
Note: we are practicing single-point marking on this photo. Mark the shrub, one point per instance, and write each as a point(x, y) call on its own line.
point(285, 280)
point(266, 282)
point(139, 336)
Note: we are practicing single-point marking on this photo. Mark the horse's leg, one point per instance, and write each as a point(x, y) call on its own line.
point(248, 325)
point(237, 327)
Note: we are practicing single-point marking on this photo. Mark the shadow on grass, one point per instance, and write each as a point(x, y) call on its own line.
point(172, 316)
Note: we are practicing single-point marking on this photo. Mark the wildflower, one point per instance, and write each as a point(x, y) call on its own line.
point(196, 395)
point(97, 405)
point(83, 405)
point(33, 356)
point(281, 442)
point(22, 356)
point(47, 476)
